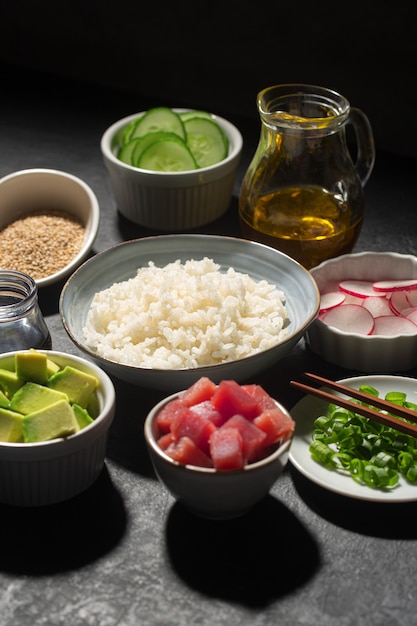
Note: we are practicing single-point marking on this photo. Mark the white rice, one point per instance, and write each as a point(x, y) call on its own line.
point(185, 316)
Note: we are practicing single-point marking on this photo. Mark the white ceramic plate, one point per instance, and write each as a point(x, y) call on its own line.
point(304, 414)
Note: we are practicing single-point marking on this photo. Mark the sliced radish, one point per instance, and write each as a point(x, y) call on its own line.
point(399, 302)
point(353, 299)
point(331, 299)
point(412, 297)
point(377, 305)
point(411, 314)
point(395, 285)
point(409, 311)
point(394, 325)
point(359, 288)
point(351, 318)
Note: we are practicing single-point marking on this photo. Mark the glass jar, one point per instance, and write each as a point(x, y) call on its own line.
point(303, 193)
point(22, 325)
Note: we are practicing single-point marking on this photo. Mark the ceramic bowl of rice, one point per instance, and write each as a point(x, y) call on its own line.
point(160, 312)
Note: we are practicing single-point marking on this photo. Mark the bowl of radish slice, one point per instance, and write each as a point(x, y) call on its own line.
point(368, 312)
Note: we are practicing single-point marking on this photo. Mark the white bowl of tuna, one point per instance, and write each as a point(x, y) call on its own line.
point(55, 413)
point(368, 312)
point(218, 449)
point(163, 311)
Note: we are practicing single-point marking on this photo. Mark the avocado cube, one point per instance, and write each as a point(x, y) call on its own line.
point(4, 401)
point(93, 406)
point(77, 385)
point(33, 397)
point(56, 420)
point(32, 366)
point(82, 416)
point(10, 382)
point(10, 426)
point(52, 367)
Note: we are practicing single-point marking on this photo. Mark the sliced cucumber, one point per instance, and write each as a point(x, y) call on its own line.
point(141, 143)
point(127, 150)
point(206, 141)
point(128, 130)
point(186, 115)
point(159, 119)
point(198, 131)
point(167, 155)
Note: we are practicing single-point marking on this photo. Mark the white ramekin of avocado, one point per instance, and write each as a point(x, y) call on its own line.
point(55, 413)
point(172, 169)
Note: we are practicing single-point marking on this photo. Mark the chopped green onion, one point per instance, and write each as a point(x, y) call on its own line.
point(322, 453)
point(411, 474)
point(396, 397)
point(371, 453)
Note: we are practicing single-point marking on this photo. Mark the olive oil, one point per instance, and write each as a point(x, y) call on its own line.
point(306, 222)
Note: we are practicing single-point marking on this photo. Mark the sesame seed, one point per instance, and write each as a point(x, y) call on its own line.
point(41, 243)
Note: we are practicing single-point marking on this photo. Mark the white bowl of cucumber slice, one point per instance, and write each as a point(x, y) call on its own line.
point(52, 442)
point(172, 169)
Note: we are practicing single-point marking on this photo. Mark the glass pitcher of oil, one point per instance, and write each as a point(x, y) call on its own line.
point(303, 192)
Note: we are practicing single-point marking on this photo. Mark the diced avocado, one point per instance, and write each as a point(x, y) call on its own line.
point(78, 386)
point(52, 367)
point(10, 382)
point(56, 420)
point(93, 406)
point(33, 397)
point(82, 416)
point(33, 366)
point(10, 426)
point(4, 401)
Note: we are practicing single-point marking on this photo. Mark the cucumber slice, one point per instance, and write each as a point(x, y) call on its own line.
point(206, 140)
point(167, 155)
point(159, 119)
point(141, 143)
point(126, 151)
point(186, 115)
point(128, 130)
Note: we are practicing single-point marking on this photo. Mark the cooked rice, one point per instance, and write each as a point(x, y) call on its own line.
point(185, 316)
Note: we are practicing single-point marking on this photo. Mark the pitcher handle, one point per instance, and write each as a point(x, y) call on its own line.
point(365, 157)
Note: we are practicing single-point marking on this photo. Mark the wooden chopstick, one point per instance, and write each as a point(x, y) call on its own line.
point(372, 414)
point(385, 405)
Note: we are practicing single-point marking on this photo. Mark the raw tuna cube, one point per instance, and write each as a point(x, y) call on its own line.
point(207, 410)
point(164, 441)
point(226, 449)
point(167, 414)
point(263, 398)
point(253, 438)
point(230, 399)
point(187, 423)
point(186, 452)
point(201, 390)
point(276, 424)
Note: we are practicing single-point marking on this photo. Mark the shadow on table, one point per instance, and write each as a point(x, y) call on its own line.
point(49, 295)
point(64, 536)
point(253, 560)
point(377, 519)
point(227, 225)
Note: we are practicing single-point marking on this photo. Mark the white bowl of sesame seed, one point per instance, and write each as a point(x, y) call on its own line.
point(48, 223)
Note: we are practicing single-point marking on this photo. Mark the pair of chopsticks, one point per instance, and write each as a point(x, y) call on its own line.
point(372, 414)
